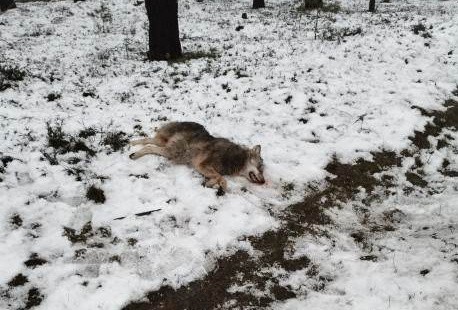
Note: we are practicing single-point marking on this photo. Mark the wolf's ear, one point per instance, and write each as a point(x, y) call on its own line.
point(256, 150)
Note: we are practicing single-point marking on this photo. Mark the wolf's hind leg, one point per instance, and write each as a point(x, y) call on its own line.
point(214, 179)
point(158, 140)
point(142, 141)
point(148, 149)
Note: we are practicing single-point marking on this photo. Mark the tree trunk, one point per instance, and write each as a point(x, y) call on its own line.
point(258, 4)
point(312, 4)
point(372, 6)
point(164, 35)
point(7, 4)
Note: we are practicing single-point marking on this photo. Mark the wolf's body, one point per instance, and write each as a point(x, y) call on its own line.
point(191, 144)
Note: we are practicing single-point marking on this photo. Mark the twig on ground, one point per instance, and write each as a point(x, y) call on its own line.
point(139, 214)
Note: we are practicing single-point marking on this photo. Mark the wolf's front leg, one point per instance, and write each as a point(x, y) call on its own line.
point(218, 182)
point(214, 179)
point(148, 149)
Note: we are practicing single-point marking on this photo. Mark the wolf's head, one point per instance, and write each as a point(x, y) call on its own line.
point(254, 167)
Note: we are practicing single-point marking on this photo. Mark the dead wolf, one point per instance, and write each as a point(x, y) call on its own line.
point(191, 144)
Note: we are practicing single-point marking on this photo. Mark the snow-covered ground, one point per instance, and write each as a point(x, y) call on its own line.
point(347, 93)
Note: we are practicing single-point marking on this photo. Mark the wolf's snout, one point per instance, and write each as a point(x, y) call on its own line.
point(256, 179)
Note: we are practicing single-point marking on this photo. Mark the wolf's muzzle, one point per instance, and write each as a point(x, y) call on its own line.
point(256, 179)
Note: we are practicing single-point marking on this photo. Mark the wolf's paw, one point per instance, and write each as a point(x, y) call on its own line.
point(209, 183)
point(218, 183)
point(222, 184)
point(220, 192)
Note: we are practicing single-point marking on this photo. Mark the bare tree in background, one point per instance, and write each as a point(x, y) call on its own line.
point(164, 35)
point(371, 5)
point(258, 4)
point(7, 4)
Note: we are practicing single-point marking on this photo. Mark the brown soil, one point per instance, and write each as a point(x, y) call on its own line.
point(34, 298)
point(34, 261)
point(18, 280)
point(95, 194)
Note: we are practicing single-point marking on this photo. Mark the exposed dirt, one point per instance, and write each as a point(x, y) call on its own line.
point(74, 237)
point(4, 161)
point(11, 73)
point(63, 142)
point(87, 132)
point(34, 261)
point(441, 119)
point(95, 194)
point(116, 140)
point(448, 119)
point(350, 178)
point(371, 258)
point(211, 292)
point(34, 298)
point(415, 179)
point(88, 237)
point(16, 220)
point(18, 280)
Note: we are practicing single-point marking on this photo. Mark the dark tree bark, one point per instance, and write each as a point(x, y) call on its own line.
point(7, 4)
point(371, 5)
point(312, 4)
point(258, 4)
point(164, 35)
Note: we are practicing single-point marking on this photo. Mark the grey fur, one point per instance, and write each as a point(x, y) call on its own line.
point(191, 144)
